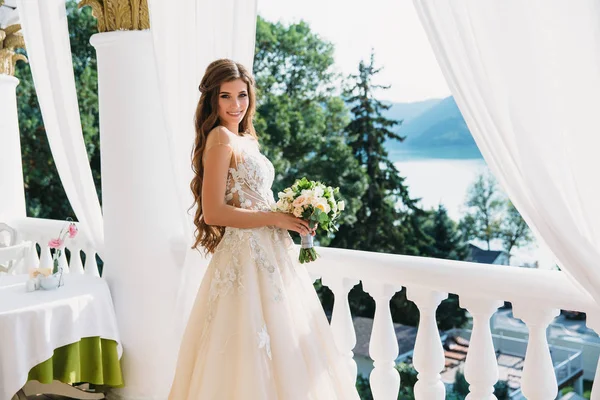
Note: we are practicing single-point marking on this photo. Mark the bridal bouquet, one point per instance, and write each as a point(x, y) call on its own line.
point(315, 203)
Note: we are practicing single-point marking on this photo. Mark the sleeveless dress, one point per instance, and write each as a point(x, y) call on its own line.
point(257, 330)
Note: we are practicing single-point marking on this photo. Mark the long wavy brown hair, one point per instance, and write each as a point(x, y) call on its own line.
point(207, 118)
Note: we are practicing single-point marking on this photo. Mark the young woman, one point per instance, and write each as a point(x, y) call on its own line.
point(257, 330)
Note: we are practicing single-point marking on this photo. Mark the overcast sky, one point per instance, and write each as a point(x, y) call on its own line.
point(391, 27)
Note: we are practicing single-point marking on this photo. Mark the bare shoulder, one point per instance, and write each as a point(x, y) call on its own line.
point(219, 135)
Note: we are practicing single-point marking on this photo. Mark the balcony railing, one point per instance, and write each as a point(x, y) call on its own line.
point(536, 295)
point(568, 363)
point(39, 232)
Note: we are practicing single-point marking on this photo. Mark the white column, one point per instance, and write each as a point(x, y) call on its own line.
point(12, 192)
point(539, 380)
point(481, 366)
point(141, 212)
point(428, 357)
point(341, 319)
point(383, 346)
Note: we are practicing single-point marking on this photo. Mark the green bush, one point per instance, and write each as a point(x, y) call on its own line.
point(408, 375)
point(461, 386)
point(363, 388)
point(565, 390)
point(501, 390)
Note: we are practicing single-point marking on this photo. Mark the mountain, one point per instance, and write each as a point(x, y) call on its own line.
point(406, 112)
point(439, 131)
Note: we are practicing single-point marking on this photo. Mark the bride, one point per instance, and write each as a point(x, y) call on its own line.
point(257, 330)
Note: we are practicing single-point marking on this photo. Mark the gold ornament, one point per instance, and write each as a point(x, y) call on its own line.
point(119, 15)
point(10, 39)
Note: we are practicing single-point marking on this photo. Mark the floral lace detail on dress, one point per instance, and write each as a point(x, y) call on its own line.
point(263, 264)
point(222, 285)
point(225, 280)
point(250, 178)
point(264, 340)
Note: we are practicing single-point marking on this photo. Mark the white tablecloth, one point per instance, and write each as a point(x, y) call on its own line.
point(33, 324)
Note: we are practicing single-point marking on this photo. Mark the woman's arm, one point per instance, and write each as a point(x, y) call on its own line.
point(216, 211)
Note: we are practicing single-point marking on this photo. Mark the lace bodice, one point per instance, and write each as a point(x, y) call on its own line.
point(250, 177)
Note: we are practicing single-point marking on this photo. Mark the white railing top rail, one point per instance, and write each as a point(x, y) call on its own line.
point(41, 229)
point(550, 289)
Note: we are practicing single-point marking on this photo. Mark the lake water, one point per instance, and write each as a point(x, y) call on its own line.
point(446, 180)
point(443, 181)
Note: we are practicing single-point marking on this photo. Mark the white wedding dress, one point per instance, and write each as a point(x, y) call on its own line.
point(257, 330)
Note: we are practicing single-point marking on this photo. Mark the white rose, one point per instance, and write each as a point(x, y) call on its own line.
point(322, 205)
point(318, 191)
point(341, 205)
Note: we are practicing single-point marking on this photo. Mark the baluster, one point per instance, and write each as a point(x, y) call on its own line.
point(76, 266)
point(481, 366)
point(428, 357)
point(341, 319)
point(62, 261)
point(46, 257)
point(539, 380)
point(383, 346)
point(313, 275)
point(32, 260)
point(91, 266)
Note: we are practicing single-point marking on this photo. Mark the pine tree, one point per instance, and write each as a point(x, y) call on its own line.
point(386, 221)
point(447, 239)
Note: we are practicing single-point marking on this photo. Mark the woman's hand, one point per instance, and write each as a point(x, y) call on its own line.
point(292, 223)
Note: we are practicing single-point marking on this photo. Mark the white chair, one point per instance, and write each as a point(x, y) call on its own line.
point(12, 253)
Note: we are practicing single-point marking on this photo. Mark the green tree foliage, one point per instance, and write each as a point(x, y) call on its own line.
point(491, 216)
point(482, 220)
point(363, 387)
point(447, 241)
point(514, 232)
point(300, 119)
point(44, 193)
point(389, 220)
point(386, 222)
point(461, 387)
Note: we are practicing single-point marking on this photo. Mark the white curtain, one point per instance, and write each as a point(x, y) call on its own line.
point(46, 34)
point(186, 39)
point(526, 77)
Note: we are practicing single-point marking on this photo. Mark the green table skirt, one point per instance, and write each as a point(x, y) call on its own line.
point(93, 360)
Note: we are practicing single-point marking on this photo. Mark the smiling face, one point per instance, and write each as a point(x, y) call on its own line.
point(233, 103)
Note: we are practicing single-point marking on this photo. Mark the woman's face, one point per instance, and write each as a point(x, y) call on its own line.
point(233, 103)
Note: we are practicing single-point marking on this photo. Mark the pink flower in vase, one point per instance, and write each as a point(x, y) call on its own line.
point(72, 230)
point(55, 244)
